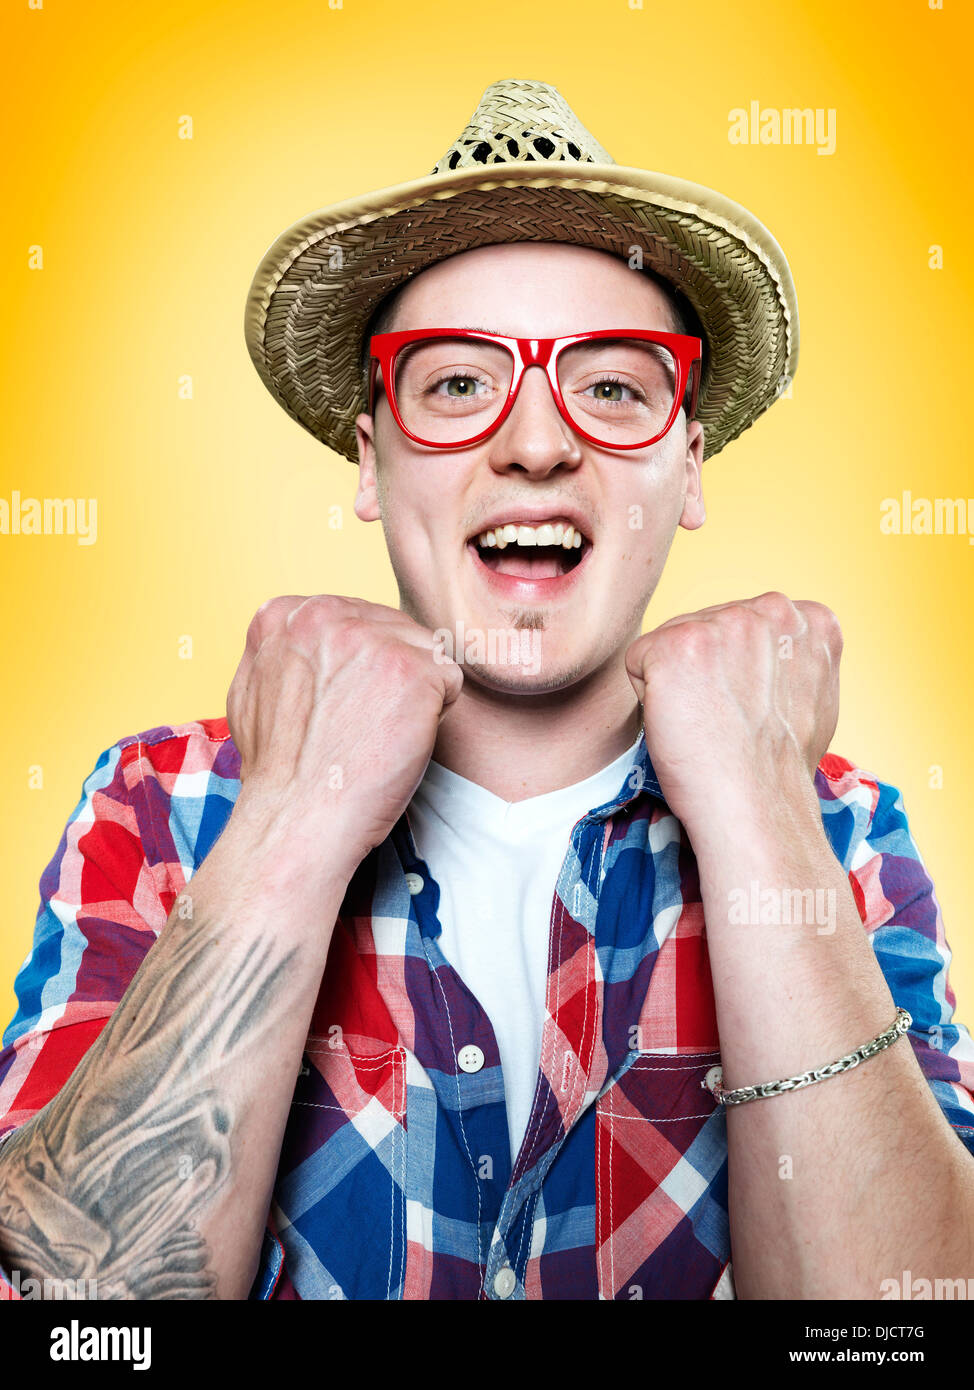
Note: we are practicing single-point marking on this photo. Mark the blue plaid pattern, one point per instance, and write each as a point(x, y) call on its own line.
point(395, 1179)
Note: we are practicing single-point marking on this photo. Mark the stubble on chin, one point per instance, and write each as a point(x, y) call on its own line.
point(526, 619)
point(509, 680)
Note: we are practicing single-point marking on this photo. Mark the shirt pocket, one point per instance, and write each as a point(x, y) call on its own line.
point(342, 1178)
point(661, 1227)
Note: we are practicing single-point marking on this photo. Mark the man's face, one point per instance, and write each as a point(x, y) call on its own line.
point(576, 610)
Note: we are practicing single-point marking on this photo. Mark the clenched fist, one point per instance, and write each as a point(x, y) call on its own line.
point(738, 700)
point(334, 709)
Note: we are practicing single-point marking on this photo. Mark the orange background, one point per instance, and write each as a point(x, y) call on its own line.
point(208, 506)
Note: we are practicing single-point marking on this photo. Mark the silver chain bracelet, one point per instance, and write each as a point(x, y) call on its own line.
point(712, 1081)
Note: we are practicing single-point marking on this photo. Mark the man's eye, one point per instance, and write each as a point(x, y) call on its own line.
point(610, 390)
point(461, 386)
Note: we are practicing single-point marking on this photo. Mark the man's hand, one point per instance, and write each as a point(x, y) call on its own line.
point(334, 708)
point(740, 702)
point(738, 699)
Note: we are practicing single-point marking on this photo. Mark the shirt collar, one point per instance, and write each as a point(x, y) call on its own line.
point(641, 778)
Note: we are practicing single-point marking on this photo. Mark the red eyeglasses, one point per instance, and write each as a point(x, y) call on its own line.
point(617, 388)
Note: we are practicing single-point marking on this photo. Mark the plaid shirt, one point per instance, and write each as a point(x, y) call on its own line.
point(395, 1178)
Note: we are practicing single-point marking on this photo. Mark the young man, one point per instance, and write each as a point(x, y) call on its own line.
point(436, 1014)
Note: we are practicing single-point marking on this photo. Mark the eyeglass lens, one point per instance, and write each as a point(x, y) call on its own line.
point(619, 390)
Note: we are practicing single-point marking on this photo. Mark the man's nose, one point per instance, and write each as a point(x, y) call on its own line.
point(535, 438)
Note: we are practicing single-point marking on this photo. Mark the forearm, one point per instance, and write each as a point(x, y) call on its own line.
point(151, 1171)
point(837, 1186)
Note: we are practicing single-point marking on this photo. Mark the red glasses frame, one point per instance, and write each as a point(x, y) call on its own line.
point(536, 352)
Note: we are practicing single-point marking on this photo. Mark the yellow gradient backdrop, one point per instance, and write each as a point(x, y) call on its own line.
point(208, 506)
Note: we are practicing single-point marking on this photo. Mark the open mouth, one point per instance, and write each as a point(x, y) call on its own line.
point(547, 551)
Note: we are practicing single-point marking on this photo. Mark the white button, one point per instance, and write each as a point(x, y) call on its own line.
point(714, 1075)
point(414, 882)
point(470, 1057)
point(505, 1282)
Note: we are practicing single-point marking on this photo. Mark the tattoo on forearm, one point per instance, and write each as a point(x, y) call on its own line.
point(109, 1183)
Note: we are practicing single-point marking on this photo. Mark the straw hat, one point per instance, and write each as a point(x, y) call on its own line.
point(524, 169)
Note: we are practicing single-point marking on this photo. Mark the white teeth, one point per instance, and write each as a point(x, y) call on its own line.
point(548, 533)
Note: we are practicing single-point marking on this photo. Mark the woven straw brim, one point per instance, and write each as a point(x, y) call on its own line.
point(319, 283)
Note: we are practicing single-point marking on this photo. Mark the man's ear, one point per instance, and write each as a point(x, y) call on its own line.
point(367, 497)
point(694, 511)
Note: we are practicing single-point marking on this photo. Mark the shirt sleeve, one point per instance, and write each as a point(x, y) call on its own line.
point(102, 905)
point(868, 827)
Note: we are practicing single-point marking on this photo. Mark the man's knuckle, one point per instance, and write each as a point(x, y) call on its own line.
point(396, 661)
point(350, 635)
point(269, 616)
point(776, 605)
point(823, 621)
point(310, 618)
point(821, 612)
point(687, 641)
point(255, 629)
point(740, 623)
point(833, 630)
point(329, 607)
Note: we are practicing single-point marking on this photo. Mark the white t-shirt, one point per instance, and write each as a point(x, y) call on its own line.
point(497, 863)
